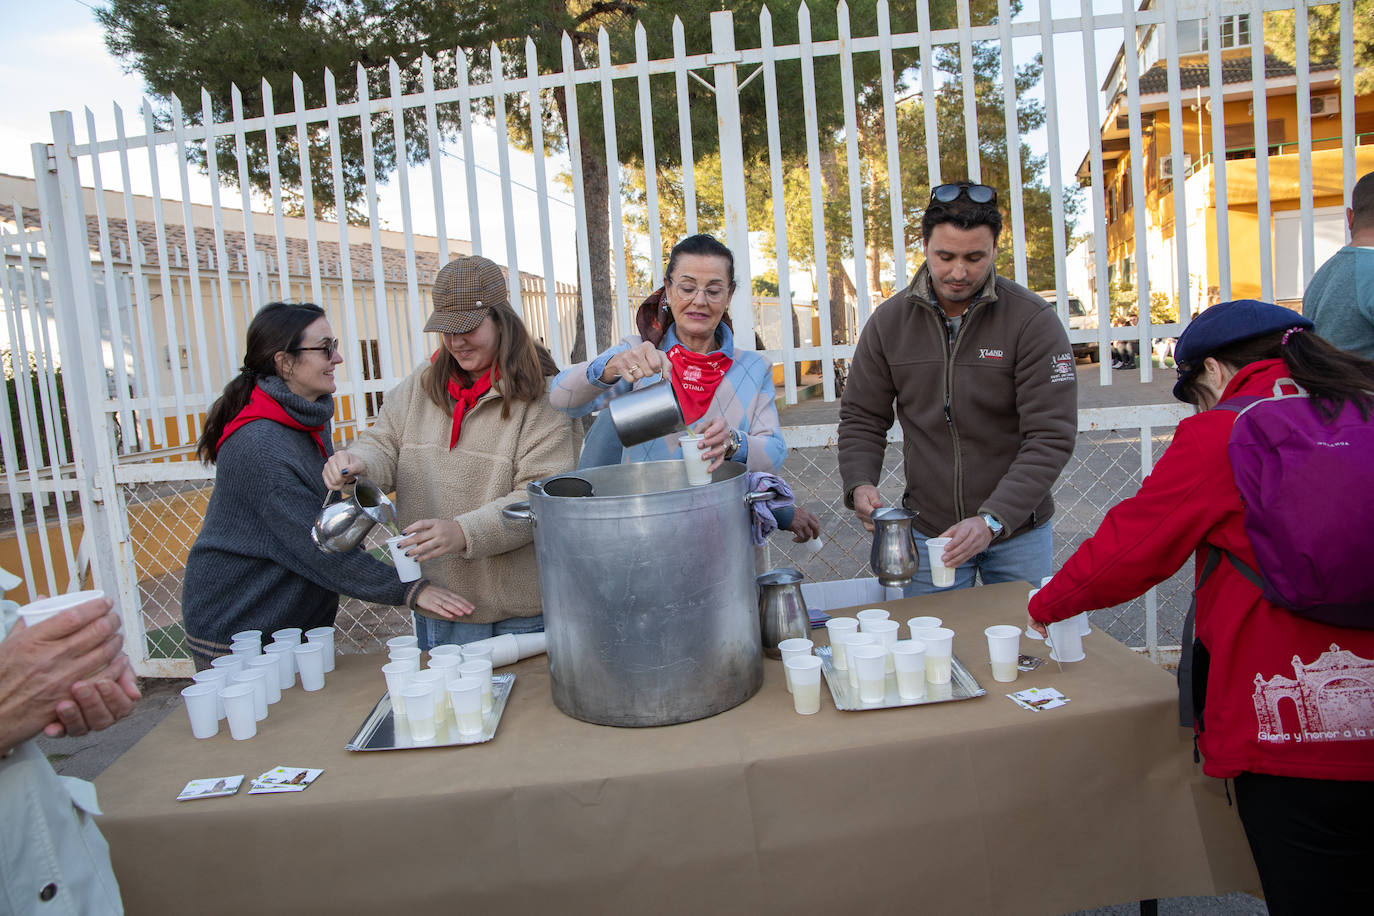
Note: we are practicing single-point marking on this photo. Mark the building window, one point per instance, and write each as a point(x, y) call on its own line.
point(1234, 31)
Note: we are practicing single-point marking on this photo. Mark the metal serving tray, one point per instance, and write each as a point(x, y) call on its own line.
point(379, 731)
point(961, 686)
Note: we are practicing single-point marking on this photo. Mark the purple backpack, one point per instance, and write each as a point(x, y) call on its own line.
point(1308, 487)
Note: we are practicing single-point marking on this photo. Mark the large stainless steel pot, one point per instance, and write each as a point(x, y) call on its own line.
point(648, 589)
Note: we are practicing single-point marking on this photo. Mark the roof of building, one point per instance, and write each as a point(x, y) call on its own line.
point(1195, 74)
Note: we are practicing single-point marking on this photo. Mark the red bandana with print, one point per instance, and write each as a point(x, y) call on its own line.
point(262, 406)
point(464, 398)
point(696, 376)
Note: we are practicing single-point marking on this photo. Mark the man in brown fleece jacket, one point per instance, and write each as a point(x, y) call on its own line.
point(980, 374)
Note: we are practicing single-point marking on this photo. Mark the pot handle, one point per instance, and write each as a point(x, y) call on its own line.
point(756, 496)
point(519, 512)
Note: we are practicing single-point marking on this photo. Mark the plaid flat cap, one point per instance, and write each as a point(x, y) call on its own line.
point(464, 290)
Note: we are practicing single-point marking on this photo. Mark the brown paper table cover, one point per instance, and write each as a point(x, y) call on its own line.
point(971, 807)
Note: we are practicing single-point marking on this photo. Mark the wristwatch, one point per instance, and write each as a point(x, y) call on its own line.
point(993, 524)
point(732, 443)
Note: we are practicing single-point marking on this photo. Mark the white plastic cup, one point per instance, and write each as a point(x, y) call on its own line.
point(1004, 647)
point(202, 702)
point(466, 696)
point(870, 615)
point(886, 631)
point(239, 710)
point(272, 667)
point(289, 635)
point(436, 681)
point(256, 679)
point(402, 642)
point(448, 664)
point(1031, 633)
point(939, 654)
point(909, 661)
point(870, 662)
point(36, 612)
point(836, 628)
point(245, 649)
point(398, 675)
point(286, 663)
point(852, 642)
point(407, 567)
point(477, 652)
point(941, 576)
point(805, 674)
point(479, 669)
point(694, 461)
point(419, 704)
point(409, 655)
point(231, 663)
point(325, 637)
point(509, 648)
point(1045, 581)
point(1084, 628)
point(923, 623)
point(310, 660)
point(791, 648)
point(1065, 642)
point(217, 678)
point(448, 648)
point(245, 635)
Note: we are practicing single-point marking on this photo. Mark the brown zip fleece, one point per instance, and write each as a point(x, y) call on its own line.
point(987, 423)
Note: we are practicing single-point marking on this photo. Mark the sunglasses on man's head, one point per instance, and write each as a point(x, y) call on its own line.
point(978, 193)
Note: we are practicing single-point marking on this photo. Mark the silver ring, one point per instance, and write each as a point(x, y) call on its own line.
point(634, 368)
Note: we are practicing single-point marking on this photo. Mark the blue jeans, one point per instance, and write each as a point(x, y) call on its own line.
point(430, 632)
point(1027, 557)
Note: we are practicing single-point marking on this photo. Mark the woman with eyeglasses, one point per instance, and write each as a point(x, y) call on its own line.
point(459, 439)
point(254, 565)
point(726, 393)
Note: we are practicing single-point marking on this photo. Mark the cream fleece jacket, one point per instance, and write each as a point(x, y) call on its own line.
point(407, 451)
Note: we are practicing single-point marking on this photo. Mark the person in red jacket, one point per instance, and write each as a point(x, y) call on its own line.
point(1305, 793)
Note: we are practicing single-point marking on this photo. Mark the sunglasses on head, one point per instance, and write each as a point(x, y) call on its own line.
point(978, 193)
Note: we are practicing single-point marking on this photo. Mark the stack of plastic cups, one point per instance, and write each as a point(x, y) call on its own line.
point(480, 669)
point(837, 628)
point(793, 648)
point(325, 637)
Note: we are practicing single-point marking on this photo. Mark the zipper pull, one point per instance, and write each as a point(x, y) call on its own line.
point(949, 418)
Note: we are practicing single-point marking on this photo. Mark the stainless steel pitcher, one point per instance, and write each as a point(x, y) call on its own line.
point(782, 609)
point(894, 558)
point(341, 527)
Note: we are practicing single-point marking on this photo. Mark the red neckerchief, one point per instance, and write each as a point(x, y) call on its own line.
point(696, 376)
point(464, 398)
point(262, 406)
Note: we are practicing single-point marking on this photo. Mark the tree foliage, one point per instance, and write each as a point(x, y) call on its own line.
point(1324, 38)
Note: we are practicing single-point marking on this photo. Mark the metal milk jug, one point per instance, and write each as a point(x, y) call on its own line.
point(782, 609)
point(894, 558)
point(343, 525)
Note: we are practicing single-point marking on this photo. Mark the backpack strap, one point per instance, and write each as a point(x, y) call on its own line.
point(1193, 658)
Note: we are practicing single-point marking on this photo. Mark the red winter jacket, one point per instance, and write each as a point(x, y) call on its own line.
point(1285, 695)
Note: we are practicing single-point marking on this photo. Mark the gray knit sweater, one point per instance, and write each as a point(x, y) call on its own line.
point(254, 566)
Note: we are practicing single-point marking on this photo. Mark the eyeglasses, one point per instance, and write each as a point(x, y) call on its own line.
point(949, 193)
point(714, 294)
point(328, 348)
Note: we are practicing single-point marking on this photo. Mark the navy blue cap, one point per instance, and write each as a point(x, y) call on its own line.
point(1224, 324)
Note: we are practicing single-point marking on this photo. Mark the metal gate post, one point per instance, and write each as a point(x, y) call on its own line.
point(724, 59)
point(78, 328)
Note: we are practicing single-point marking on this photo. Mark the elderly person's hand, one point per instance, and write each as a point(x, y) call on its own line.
point(441, 602)
point(342, 468)
point(805, 525)
point(866, 502)
point(41, 665)
point(433, 537)
point(967, 539)
point(98, 704)
point(715, 435)
point(640, 361)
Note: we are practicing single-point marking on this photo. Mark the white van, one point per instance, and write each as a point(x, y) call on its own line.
point(1081, 318)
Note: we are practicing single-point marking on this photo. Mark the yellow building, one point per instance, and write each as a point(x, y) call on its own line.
point(1242, 200)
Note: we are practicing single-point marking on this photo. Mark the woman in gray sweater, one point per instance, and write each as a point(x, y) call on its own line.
point(254, 565)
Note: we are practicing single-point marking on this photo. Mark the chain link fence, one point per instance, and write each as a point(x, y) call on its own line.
point(165, 518)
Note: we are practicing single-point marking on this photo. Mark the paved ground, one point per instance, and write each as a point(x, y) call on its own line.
point(88, 756)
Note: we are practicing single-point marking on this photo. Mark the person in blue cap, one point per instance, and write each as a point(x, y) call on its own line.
point(1305, 798)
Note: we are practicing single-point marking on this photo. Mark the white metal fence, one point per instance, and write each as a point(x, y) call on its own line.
point(146, 299)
